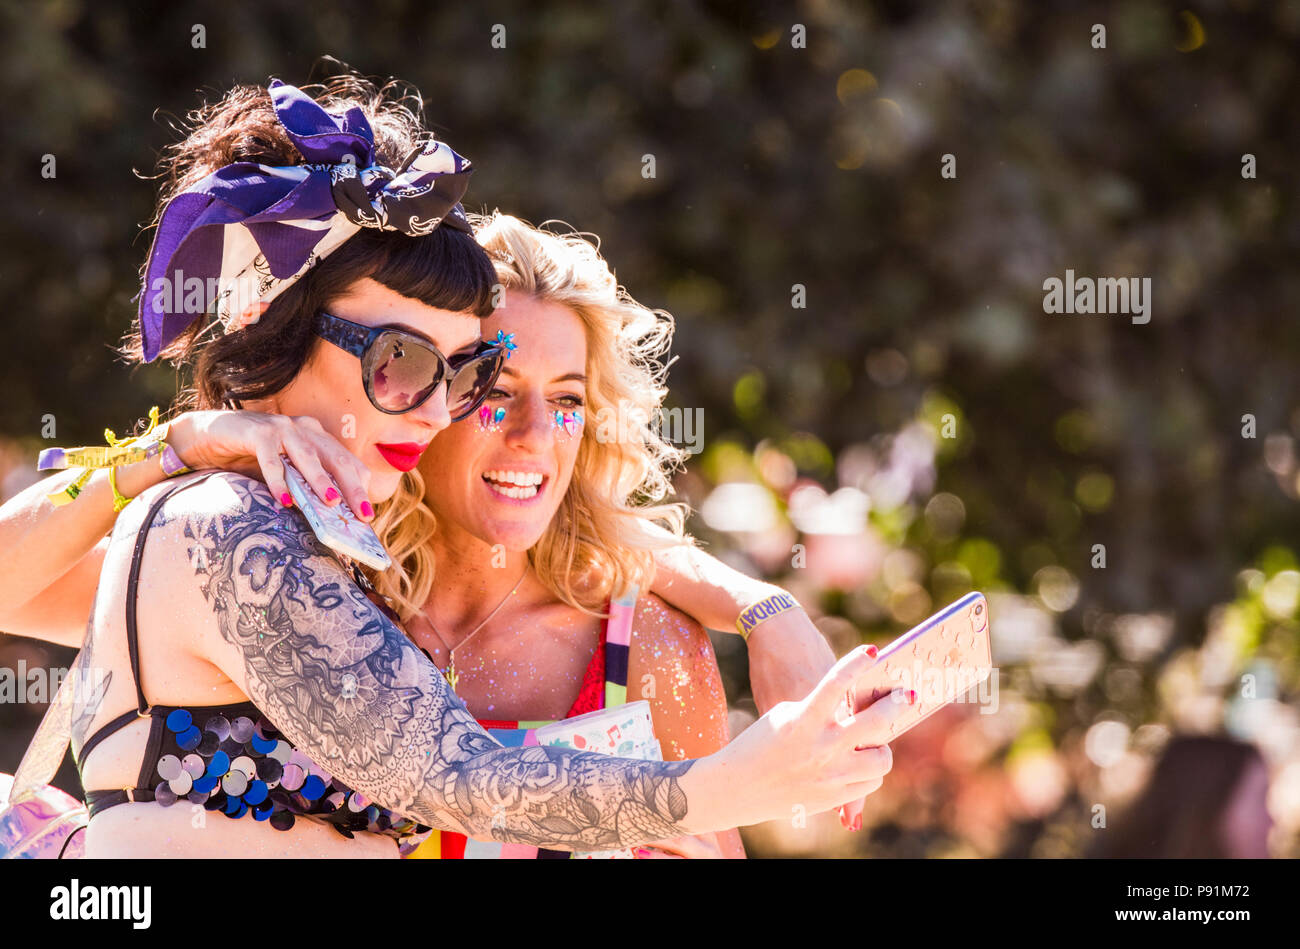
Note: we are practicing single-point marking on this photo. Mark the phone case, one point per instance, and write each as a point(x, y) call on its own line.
point(942, 659)
point(336, 527)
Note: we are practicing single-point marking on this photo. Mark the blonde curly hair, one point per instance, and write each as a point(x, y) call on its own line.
point(614, 514)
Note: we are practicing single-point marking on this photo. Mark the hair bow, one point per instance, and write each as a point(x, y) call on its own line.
point(233, 242)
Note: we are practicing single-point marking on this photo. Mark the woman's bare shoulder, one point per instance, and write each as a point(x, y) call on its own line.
point(208, 493)
point(196, 504)
point(654, 615)
point(214, 491)
point(664, 638)
point(672, 665)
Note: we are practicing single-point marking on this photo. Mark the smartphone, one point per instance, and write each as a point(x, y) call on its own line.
point(336, 527)
point(942, 659)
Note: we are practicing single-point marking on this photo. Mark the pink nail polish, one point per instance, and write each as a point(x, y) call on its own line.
point(872, 651)
point(911, 696)
point(286, 499)
point(331, 494)
point(642, 852)
point(367, 510)
point(857, 822)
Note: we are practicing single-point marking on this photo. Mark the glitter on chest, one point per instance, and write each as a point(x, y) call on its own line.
point(529, 672)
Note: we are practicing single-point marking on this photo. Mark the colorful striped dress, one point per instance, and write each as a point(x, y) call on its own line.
point(604, 685)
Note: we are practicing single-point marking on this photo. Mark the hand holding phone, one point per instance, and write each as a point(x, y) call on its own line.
point(941, 659)
point(336, 527)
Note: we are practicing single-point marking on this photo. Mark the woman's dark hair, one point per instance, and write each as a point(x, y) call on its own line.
point(445, 269)
point(1180, 811)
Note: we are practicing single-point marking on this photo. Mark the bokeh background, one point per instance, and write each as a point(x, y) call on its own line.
point(779, 164)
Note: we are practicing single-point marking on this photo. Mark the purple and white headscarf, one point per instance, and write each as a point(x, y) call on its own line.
point(233, 242)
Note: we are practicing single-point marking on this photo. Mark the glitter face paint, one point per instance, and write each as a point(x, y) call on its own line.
point(490, 419)
point(567, 424)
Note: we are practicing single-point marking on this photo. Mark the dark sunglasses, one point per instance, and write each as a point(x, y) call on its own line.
point(401, 370)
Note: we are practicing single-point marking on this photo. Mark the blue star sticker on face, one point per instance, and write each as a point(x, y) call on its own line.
point(506, 341)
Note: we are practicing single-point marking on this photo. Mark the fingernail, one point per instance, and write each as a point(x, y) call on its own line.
point(286, 499)
point(872, 651)
point(367, 510)
point(331, 494)
point(857, 822)
point(843, 820)
point(911, 696)
point(642, 852)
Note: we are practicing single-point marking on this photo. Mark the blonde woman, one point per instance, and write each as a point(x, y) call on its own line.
point(542, 526)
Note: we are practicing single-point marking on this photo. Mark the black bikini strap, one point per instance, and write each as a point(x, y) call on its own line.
point(101, 733)
point(132, 590)
point(142, 709)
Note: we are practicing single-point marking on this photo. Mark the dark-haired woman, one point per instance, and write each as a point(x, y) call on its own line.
point(240, 666)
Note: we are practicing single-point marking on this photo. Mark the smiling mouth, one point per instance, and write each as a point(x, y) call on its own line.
point(516, 485)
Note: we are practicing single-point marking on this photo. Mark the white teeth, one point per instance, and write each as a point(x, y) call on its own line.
point(518, 493)
point(520, 485)
point(519, 478)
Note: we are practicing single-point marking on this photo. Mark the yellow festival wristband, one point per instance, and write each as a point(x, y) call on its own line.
point(119, 500)
point(763, 610)
point(118, 451)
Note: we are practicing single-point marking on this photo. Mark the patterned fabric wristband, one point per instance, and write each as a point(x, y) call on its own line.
point(171, 462)
point(119, 451)
point(168, 460)
point(763, 610)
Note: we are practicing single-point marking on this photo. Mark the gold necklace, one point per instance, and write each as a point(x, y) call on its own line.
point(450, 671)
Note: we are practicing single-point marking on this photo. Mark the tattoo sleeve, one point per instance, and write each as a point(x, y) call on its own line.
point(348, 688)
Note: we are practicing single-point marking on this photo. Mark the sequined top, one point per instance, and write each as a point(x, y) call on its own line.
point(604, 685)
point(231, 757)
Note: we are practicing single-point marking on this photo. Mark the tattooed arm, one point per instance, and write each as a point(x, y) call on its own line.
point(286, 623)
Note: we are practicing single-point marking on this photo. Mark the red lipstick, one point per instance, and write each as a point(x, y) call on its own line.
point(403, 456)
